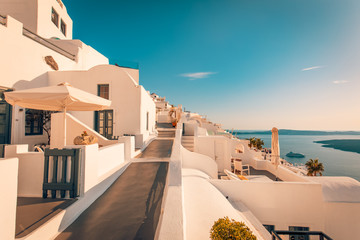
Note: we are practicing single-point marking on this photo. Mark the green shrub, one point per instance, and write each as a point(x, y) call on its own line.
point(225, 229)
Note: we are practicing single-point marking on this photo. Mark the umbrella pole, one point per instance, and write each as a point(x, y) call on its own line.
point(64, 127)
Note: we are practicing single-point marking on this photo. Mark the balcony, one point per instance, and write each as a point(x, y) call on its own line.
point(299, 235)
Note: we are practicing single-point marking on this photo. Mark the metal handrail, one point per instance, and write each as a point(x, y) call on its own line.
point(2, 20)
point(322, 236)
point(275, 236)
point(46, 43)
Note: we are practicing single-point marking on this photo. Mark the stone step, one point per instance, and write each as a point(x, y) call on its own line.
point(190, 149)
point(187, 137)
point(187, 145)
point(166, 134)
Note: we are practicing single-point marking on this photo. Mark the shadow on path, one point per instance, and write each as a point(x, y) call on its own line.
point(129, 209)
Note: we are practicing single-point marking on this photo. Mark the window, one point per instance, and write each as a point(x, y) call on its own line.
point(298, 237)
point(55, 17)
point(63, 27)
point(33, 122)
point(103, 91)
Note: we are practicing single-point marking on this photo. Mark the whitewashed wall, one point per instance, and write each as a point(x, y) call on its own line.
point(282, 204)
point(172, 225)
point(130, 101)
point(24, 11)
point(147, 105)
point(36, 16)
point(200, 162)
point(31, 170)
point(74, 128)
point(215, 147)
point(22, 66)
point(163, 117)
point(46, 28)
point(109, 158)
point(8, 200)
point(342, 220)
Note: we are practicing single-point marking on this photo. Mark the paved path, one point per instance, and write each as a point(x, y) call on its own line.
point(129, 209)
point(157, 149)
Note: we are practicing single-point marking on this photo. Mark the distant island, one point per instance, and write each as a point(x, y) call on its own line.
point(348, 145)
point(296, 132)
point(295, 155)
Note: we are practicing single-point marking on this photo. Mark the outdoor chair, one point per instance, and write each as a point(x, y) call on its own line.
point(238, 166)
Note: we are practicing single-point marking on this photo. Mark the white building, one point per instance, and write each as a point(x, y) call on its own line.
point(132, 111)
point(327, 204)
point(49, 19)
point(40, 32)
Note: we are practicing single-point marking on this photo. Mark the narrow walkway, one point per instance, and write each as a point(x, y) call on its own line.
point(129, 209)
point(157, 149)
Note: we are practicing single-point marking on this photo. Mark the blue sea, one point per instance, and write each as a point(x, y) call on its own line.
point(336, 162)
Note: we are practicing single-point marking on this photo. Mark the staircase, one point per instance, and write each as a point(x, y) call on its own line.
point(188, 142)
point(166, 133)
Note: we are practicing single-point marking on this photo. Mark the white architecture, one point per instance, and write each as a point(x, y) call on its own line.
point(37, 50)
point(161, 103)
point(326, 204)
point(132, 111)
point(47, 18)
point(29, 33)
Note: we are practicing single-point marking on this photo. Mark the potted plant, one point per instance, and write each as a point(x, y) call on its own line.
point(225, 229)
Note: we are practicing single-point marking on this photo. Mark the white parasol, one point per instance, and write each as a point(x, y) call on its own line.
point(275, 148)
point(62, 97)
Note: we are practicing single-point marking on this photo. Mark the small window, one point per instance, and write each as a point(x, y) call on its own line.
point(55, 17)
point(103, 91)
point(33, 122)
point(63, 27)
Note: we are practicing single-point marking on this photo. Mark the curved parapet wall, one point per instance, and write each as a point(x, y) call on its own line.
point(120, 72)
point(200, 162)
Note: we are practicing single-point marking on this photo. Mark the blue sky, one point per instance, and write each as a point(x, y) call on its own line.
point(245, 64)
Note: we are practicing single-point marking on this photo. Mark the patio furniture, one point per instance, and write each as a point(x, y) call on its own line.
point(232, 176)
point(238, 166)
point(254, 178)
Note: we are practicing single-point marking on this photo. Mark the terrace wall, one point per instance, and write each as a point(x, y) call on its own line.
point(200, 162)
point(282, 204)
point(8, 200)
point(216, 147)
point(30, 170)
